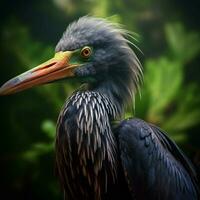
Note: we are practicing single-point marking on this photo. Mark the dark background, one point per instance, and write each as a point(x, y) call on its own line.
point(169, 37)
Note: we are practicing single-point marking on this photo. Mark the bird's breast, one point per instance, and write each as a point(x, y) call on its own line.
point(86, 146)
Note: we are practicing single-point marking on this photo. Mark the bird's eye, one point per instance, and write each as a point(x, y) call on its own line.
point(86, 52)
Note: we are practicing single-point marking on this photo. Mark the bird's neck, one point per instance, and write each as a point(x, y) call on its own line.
point(118, 93)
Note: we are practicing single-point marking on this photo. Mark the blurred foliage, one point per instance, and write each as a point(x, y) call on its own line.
point(169, 39)
point(166, 101)
point(38, 149)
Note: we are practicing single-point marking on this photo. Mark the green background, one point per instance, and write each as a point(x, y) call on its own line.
point(169, 37)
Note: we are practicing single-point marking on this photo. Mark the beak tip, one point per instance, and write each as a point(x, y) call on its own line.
point(2, 91)
point(7, 88)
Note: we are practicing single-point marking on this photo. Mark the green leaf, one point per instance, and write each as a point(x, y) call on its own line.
point(184, 45)
point(163, 78)
point(49, 128)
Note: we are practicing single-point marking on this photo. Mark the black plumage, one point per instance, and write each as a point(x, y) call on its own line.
point(154, 166)
point(131, 160)
point(97, 158)
point(86, 147)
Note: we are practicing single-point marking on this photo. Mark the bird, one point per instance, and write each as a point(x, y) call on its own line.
point(100, 155)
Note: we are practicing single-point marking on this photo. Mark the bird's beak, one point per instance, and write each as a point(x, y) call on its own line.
point(54, 69)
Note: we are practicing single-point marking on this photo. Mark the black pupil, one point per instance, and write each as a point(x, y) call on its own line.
point(86, 52)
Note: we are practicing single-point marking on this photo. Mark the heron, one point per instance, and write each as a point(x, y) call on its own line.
point(99, 155)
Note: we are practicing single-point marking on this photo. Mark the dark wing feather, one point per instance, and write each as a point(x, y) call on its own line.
point(155, 168)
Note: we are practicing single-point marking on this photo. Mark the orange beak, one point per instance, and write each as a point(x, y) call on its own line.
point(54, 69)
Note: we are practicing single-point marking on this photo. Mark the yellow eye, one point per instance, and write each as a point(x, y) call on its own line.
point(86, 52)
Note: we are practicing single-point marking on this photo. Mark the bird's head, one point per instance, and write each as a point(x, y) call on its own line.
point(91, 49)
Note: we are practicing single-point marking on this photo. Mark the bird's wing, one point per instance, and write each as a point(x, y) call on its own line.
point(154, 166)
